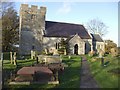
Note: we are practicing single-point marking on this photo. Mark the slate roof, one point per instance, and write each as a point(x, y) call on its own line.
point(59, 29)
point(96, 37)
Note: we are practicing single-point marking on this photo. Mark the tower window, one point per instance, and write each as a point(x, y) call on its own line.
point(56, 46)
point(33, 47)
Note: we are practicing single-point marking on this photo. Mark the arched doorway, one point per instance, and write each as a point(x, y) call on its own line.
point(76, 49)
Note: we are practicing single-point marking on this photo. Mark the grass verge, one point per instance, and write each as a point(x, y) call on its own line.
point(103, 74)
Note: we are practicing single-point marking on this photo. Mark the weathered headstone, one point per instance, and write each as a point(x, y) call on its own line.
point(61, 58)
point(45, 60)
point(56, 75)
point(14, 57)
point(101, 53)
point(11, 58)
point(102, 61)
point(65, 52)
point(1, 56)
point(46, 51)
point(69, 57)
point(32, 54)
point(55, 52)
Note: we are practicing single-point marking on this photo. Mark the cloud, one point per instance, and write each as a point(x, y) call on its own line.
point(65, 9)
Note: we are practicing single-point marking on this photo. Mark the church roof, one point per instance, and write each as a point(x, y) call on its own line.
point(59, 29)
point(97, 37)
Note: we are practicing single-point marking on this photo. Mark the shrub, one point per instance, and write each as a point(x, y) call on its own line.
point(93, 53)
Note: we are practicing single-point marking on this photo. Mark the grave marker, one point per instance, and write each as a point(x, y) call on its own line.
point(14, 57)
point(11, 57)
point(1, 56)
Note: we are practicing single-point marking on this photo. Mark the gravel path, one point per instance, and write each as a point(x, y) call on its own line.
point(87, 81)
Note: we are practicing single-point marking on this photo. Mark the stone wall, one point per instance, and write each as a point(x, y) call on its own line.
point(88, 45)
point(99, 46)
point(50, 43)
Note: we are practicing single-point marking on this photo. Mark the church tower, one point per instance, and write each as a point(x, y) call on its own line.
point(31, 28)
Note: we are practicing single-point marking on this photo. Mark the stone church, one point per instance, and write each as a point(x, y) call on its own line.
point(35, 33)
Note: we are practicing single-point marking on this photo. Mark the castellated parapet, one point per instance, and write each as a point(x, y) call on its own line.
point(31, 28)
point(32, 10)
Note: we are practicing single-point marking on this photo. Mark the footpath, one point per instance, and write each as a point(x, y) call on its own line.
point(87, 80)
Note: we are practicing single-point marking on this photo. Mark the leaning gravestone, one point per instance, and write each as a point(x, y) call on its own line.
point(46, 51)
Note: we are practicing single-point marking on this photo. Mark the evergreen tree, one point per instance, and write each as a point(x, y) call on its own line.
point(10, 24)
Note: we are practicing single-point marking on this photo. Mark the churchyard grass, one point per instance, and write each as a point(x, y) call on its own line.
point(104, 75)
point(69, 78)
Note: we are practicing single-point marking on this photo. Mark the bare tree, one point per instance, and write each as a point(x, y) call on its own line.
point(96, 26)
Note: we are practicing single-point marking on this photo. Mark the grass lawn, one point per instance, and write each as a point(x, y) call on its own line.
point(103, 74)
point(70, 78)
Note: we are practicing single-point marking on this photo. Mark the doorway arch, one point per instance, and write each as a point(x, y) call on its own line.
point(76, 49)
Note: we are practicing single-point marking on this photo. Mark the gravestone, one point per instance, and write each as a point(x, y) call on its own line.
point(61, 58)
point(33, 54)
point(55, 52)
point(1, 56)
point(45, 60)
point(11, 57)
point(102, 61)
point(46, 51)
point(69, 57)
point(65, 52)
point(101, 53)
point(14, 58)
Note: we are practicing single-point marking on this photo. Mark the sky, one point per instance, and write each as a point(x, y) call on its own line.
point(81, 13)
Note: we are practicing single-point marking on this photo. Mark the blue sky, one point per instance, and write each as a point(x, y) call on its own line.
point(81, 13)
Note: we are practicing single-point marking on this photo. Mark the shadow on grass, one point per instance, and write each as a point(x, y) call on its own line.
point(25, 61)
point(69, 62)
point(115, 71)
point(70, 78)
point(29, 87)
